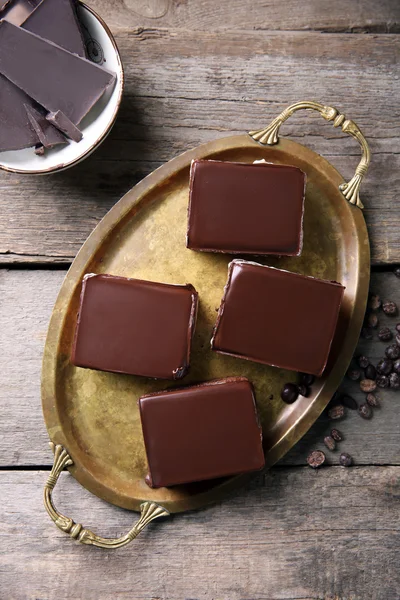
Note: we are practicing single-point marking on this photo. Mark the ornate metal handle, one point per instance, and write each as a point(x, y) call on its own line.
point(149, 510)
point(350, 190)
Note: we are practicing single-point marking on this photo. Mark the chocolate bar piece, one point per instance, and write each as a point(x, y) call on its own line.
point(56, 20)
point(135, 327)
point(245, 208)
point(48, 135)
point(16, 131)
point(201, 432)
point(17, 11)
point(61, 121)
point(54, 77)
point(277, 318)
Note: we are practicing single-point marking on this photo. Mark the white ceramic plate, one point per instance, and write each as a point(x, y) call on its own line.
point(99, 121)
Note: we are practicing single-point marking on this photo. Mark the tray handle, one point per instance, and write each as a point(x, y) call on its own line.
point(269, 136)
point(149, 510)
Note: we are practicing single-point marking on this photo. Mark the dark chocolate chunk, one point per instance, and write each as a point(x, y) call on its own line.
point(39, 149)
point(363, 361)
point(396, 366)
point(61, 121)
point(34, 64)
point(304, 390)
point(354, 374)
point(261, 303)
point(135, 327)
point(53, 21)
point(201, 432)
point(246, 208)
point(58, 17)
point(17, 11)
point(306, 379)
point(48, 135)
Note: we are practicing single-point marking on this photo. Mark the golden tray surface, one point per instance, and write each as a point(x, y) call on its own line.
point(94, 415)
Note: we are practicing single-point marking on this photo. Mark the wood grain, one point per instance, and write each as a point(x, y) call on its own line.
point(320, 15)
point(293, 534)
point(185, 88)
point(27, 301)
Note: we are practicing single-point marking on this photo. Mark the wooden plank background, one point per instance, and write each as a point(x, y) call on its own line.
point(197, 70)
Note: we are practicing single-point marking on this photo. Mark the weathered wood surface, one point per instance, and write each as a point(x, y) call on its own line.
point(320, 15)
point(294, 534)
point(188, 87)
point(27, 300)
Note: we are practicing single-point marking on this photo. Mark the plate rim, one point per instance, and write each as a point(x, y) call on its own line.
point(116, 214)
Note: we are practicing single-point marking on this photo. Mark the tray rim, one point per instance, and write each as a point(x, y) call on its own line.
point(118, 212)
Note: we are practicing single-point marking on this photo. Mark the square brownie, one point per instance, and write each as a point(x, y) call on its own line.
point(135, 327)
point(201, 432)
point(242, 208)
point(277, 318)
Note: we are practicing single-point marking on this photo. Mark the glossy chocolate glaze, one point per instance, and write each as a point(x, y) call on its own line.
point(201, 432)
point(135, 327)
point(54, 77)
point(245, 208)
point(277, 318)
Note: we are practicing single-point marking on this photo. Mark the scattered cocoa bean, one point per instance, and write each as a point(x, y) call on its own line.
point(367, 385)
point(370, 372)
point(345, 460)
point(382, 381)
point(384, 366)
point(394, 381)
point(337, 436)
point(372, 320)
point(336, 412)
point(316, 458)
point(374, 302)
point(384, 334)
point(365, 411)
point(372, 400)
point(393, 351)
point(354, 374)
point(329, 442)
point(389, 307)
point(363, 361)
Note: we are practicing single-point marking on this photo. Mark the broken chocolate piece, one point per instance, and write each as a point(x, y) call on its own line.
point(56, 20)
point(135, 327)
point(16, 131)
point(48, 135)
point(59, 120)
point(277, 318)
point(201, 432)
point(246, 208)
point(35, 64)
point(39, 149)
point(17, 11)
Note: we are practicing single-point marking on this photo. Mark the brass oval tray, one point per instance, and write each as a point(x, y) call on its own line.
point(92, 417)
